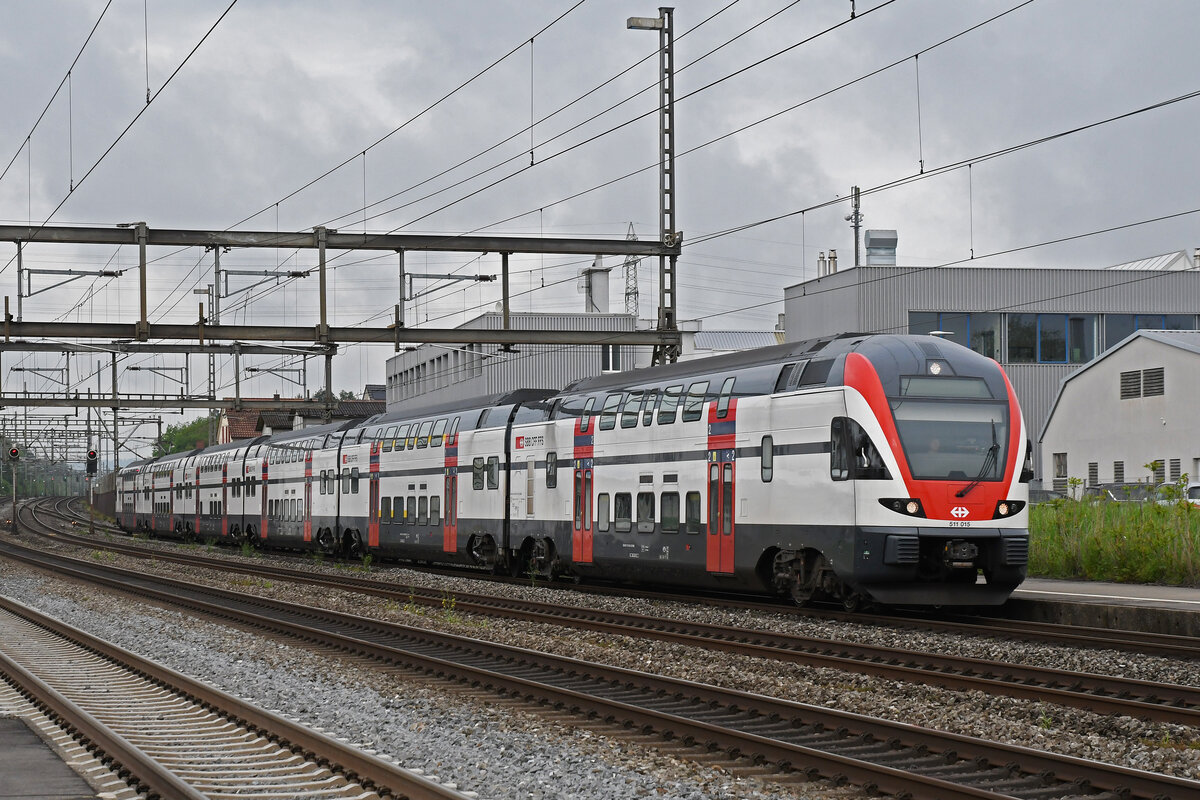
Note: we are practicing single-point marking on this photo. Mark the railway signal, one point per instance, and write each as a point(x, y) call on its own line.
point(14, 454)
point(91, 462)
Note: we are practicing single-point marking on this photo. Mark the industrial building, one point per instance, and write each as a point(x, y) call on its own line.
point(1041, 324)
point(1133, 406)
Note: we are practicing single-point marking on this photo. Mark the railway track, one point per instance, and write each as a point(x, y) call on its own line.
point(1142, 642)
point(171, 736)
point(883, 756)
point(1099, 693)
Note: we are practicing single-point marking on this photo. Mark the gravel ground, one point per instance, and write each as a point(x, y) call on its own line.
point(499, 754)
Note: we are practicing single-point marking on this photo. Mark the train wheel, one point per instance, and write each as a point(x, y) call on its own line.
point(853, 602)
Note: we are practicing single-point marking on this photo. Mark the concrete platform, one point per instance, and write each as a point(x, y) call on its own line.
point(1157, 609)
point(31, 770)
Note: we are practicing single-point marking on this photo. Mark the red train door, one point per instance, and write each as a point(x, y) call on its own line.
point(450, 525)
point(719, 552)
point(262, 524)
point(308, 496)
point(581, 534)
point(373, 499)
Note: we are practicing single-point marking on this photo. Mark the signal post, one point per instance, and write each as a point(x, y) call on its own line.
point(14, 455)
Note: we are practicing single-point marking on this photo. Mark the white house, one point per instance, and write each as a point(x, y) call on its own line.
point(1134, 405)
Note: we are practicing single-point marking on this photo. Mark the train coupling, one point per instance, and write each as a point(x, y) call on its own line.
point(958, 554)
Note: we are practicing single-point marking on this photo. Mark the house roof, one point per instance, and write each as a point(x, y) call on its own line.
point(1182, 340)
point(359, 408)
point(375, 391)
point(275, 420)
point(242, 424)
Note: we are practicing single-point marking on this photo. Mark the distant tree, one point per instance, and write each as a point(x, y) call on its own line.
point(182, 437)
point(321, 395)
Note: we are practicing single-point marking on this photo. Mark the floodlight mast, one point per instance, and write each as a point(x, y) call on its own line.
point(669, 234)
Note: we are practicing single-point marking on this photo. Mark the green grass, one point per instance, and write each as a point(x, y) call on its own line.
point(1122, 542)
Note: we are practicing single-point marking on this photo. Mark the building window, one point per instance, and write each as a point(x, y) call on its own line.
point(610, 357)
point(1051, 338)
point(1093, 473)
point(1118, 471)
point(980, 331)
point(1176, 470)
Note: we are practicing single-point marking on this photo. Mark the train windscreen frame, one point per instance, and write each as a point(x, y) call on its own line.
point(952, 440)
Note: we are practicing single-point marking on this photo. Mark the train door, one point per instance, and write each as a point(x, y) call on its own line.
point(450, 524)
point(224, 510)
point(581, 534)
point(308, 455)
point(197, 529)
point(373, 498)
point(719, 544)
point(262, 520)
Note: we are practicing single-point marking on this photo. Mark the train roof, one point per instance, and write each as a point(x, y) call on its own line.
point(448, 406)
point(829, 346)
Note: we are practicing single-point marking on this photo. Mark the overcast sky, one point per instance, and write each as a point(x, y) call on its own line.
point(282, 92)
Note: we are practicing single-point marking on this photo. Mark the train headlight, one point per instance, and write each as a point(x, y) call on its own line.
point(1007, 508)
point(904, 505)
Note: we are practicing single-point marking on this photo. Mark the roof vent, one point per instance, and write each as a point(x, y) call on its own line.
point(881, 248)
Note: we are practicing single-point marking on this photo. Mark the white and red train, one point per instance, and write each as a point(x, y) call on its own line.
point(860, 468)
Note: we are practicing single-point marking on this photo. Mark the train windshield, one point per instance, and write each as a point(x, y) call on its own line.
point(956, 440)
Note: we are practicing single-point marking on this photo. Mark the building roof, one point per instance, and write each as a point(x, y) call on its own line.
point(359, 408)
point(275, 420)
point(374, 391)
point(242, 424)
point(736, 340)
point(1182, 340)
point(1179, 260)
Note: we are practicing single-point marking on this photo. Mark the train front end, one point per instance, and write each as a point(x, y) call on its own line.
point(936, 447)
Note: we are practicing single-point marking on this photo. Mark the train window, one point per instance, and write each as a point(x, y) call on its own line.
point(439, 428)
point(477, 473)
point(692, 512)
point(669, 512)
point(530, 472)
point(551, 469)
point(423, 433)
point(345, 481)
point(623, 511)
point(398, 437)
point(632, 409)
point(645, 512)
point(586, 423)
point(693, 406)
point(815, 373)
point(385, 508)
point(435, 511)
point(422, 510)
point(727, 499)
point(651, 401)
point(602, 511)
point(768, 458)
point(397, 504)
point(388, 437)
point(411, 516)
point(839, 450)
point(453, 428)
point(321, 480)
point(354, 480)
point(608, 414)
point(493, 472)
point(723, 400)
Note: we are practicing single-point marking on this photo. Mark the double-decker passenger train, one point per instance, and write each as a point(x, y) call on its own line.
point(858, 468)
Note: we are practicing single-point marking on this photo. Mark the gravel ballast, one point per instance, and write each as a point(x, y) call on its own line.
point(500, 753)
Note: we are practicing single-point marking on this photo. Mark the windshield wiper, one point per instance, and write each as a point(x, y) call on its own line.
point(989, 462)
